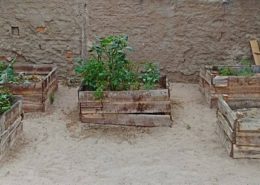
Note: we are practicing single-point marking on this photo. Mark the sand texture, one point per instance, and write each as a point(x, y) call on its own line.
point(56, 149)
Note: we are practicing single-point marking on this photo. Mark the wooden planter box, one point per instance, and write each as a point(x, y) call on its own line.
point(239, 131)
point(148, 108)
point(10, 126)
point(234, 87)
point(36, 95)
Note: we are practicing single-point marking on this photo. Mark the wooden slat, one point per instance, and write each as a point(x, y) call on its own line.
point(224, 139)
point(206, 75)
point(126, 107)
point(239, 90)
point(248, 139)
point(8, 117)
point(8, 138)
point(246, 152)
point(226, 126)
point(248, 124)
point(128, 119)
point(140, 95)
point(33, 69)
point(244, 102)
point(224, 108)
point(256, 51)
point(220, 81)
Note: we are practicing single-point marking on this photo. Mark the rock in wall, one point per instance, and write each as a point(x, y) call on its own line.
point(180, 35)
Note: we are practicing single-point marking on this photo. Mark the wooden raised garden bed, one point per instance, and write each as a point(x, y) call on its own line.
point(233, 87)
point(147, 108)
point(10, 126)
point(239, 127)
point(36, 95)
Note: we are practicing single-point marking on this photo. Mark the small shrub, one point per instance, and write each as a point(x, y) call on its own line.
point(151, 75)
point(5, 100)
point(7, 73)
point(109, 69)
point(246, 69)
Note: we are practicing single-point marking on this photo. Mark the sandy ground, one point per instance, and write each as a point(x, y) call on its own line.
point(56, 150)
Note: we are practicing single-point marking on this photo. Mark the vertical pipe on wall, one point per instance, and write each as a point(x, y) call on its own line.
point(84, 31)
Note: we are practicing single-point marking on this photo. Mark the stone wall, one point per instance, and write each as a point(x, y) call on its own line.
point(180, 35)
point(42, 31)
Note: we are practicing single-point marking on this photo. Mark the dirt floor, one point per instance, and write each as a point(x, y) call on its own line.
point(57, 150)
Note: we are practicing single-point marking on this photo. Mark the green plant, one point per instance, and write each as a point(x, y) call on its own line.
point(5, 100)
point(93, 72)
point(227, 71)
point(7, 73)
point(109, 69)
point(245, 70)
point(150, 75)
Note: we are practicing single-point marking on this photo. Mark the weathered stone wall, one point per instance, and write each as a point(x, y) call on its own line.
point(49, 31)
point(180, 35)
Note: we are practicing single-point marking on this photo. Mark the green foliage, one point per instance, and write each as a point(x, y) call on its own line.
point(246, 70)
point(5, 100)
point(7, 73)
point(151, 75)
point(109, 69)
point(226, 71)
point(93, 72)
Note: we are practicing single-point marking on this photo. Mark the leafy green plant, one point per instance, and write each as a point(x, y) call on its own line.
point(151, 75)
point(246, 69)
point(109, 69)
point(5, 100)
point(227, 71)
point(7, 73)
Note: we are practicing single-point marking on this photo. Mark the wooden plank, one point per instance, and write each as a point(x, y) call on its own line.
point(239, 90)
point(206, 75)
point(224, 140)
point(244, 102)
point(226, 126)
point(246, 152)
point(139, 95)
point(248, 139)
point(8, 117)
point(7, 135)
point(220, 81)
point(248, 124)
point(144, 120)
point(126, 107)
point(224, 108)
point(33, 69)
point(25, 88)
point(255, 51)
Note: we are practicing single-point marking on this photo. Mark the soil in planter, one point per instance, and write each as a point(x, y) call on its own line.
point(29, 78)
point(250, 112)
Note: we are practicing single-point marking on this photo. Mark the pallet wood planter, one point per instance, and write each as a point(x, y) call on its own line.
point(10, 126)
point(36, 95)
point(234, 87)
point(148, 108)
point(239, 131)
